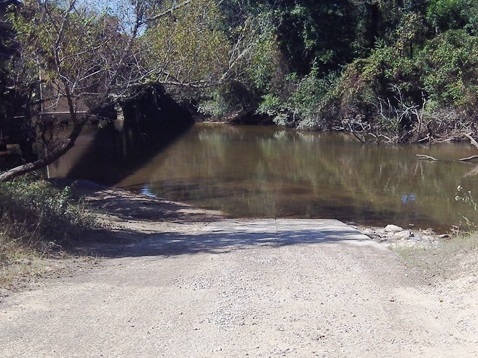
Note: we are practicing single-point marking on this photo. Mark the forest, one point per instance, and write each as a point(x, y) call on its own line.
point(385, 70)
point(395, 70)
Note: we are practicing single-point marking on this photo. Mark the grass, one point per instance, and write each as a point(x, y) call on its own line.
point(446, 259)
point(37, 222)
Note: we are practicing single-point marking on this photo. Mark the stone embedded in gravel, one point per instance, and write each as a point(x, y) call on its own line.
point(392, 228)
point(405, 234)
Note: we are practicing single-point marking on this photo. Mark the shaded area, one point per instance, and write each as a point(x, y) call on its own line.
point(110, 154)
point(124, 205)
point(139, 225)
point(222, 236)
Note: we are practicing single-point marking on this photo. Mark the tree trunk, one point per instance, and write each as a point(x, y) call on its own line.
point(49, 158)
point(373, 23)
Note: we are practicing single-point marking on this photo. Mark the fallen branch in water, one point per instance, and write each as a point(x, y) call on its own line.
point(426, 157)
point(472, 140)
point(468, 158)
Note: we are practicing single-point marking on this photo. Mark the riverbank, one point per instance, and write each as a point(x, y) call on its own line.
point(125, 217)
point(116, 212)
point(128, 216)
point(175, 280)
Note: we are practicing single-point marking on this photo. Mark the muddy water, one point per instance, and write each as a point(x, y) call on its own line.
point(269, 172)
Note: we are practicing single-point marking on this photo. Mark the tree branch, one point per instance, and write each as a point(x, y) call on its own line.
point(472, 141)
point(468, 158)
point(426, 157)
point(166, 12)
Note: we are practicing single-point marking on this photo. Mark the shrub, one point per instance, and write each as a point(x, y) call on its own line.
point(33, 214)
point(450, 70)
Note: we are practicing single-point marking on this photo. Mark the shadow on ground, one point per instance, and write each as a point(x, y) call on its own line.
point(140, 225)
point(226, 235)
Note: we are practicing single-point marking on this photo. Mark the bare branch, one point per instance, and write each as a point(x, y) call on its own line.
point(426, 157)
point(166, 12)
point(468, 158)
point(472, 141)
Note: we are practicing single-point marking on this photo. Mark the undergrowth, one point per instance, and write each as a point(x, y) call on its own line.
point(38, 219)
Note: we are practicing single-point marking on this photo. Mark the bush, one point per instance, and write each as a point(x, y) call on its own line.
point(35, 215)
point(450, 70)
point(392, 92)
point(231, 97)
point(299, 106)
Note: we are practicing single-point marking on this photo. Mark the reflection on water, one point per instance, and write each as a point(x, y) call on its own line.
point(109, 154)
point(270, 172)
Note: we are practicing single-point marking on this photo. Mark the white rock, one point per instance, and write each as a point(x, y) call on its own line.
point(405, 234)
point(392, 228)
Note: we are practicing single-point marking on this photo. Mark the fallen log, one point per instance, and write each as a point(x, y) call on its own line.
point(472, 140)
point(468, 158)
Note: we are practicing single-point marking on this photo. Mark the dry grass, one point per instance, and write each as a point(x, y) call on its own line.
point(18, 261)
point(446, 258)
point(37, 223)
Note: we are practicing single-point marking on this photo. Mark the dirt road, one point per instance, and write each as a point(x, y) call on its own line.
point(203, 287)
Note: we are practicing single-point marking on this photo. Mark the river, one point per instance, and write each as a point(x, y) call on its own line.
point(254, 171)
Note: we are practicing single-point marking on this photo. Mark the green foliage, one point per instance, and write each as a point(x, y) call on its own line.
point(332, 63)
point(45, 32)
point(264, 62)
point(232, 97)
point(448, 14)
point(189, 44)
point(36, 215)
point(374, 90)
point(274, 107)
point(256, 68)
point(390, 88)
point(312, 32)
point(450, 70)
point(311, 91)
point(301, 106)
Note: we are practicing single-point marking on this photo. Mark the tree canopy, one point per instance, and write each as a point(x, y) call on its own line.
point(81, 57)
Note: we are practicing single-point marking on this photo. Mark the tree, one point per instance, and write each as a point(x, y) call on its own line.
point(87, 58)
point(189, 44)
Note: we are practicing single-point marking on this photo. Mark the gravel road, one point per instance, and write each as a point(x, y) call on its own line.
point(186, 283)
point(257, 288)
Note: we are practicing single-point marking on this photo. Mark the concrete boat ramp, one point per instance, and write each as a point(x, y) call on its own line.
point(279, 232)
point(223, 235)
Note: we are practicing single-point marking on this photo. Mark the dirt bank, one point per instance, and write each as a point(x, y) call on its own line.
point(187, 283)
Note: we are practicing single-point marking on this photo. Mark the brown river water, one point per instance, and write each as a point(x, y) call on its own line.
point(253, 171)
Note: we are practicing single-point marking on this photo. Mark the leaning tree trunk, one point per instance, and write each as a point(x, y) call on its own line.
point(49, 158)
point(66, 144)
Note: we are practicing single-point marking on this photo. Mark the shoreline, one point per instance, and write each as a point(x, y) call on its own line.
point(183, 286)
point(126, 216)
point(388, 233)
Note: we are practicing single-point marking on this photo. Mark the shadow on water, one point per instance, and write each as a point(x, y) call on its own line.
point(112, 153)
point(134, 146)
point(270, 173)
